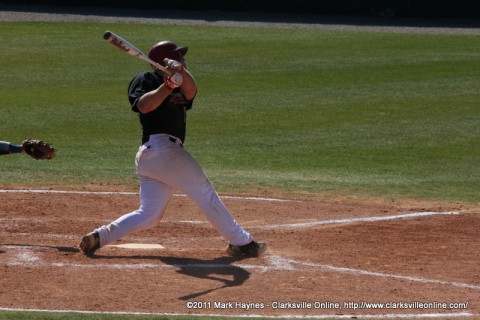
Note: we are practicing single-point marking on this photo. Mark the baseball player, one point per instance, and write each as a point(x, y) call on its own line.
point(162, 164)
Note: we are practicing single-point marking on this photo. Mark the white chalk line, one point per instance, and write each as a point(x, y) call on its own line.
point(366, 316)
point(271, 226)
point(327, 267)
point(355, 220)
point(135, 194)
point(27, 258)
point(274, 226)
point(295, 225)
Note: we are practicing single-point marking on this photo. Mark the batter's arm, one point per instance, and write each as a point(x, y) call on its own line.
point(152, 99)
point(189, 86)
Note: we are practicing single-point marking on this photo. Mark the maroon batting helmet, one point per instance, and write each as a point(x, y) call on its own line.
point(167, 49)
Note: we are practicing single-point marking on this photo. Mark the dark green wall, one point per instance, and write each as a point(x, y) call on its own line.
point(393, 8)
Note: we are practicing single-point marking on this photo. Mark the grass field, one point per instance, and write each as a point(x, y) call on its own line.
point(377, 114)
point(356, 113)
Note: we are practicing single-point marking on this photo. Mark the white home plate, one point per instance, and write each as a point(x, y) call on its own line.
point(147, 246)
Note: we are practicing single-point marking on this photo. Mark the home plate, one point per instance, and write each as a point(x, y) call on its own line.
point(143, 246)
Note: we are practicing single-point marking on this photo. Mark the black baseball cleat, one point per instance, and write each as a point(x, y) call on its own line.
point(90, 243)
point(253, 249)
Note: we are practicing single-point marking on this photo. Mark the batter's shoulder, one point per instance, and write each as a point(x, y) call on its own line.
point(147, 76)
point(146, 80)
point(151, 76)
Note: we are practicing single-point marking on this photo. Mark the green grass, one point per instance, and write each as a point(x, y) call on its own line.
point(392, 115)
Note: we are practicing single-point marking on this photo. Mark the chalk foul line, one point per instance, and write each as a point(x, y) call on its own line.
point(288, 264)
point(134, 194)
point(26, 258)
point(355, 220)
point(320, 316)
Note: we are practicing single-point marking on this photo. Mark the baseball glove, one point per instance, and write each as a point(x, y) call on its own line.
point(38, 149)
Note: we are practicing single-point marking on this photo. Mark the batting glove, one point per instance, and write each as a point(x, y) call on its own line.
point(173, 81)
point(173, 65)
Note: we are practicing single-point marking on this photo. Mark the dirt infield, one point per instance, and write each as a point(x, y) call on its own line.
point(327, 256)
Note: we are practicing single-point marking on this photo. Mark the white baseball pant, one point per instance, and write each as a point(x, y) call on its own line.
point(162, 167)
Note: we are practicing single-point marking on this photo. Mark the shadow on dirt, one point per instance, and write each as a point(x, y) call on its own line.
point(218, 269)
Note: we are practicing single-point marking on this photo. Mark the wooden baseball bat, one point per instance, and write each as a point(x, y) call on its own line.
point(129, 48)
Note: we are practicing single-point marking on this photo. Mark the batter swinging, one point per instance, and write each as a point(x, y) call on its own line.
point(163, 165)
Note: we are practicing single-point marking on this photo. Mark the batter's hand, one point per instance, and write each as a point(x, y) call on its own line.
point(173, 65)
point(173, 81)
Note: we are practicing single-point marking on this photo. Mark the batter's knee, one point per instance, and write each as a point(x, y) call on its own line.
point(151, 215)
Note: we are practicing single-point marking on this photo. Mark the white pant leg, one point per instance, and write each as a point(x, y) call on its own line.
point(162, 167)
point(217, 213)
point(181, 171)
point(154, 198)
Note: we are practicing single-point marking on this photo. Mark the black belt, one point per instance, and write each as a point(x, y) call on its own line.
point(172, 139)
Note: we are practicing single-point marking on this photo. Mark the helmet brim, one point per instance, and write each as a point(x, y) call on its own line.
point(182, 50)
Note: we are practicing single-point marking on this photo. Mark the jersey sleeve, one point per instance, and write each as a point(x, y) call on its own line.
point(141, 84)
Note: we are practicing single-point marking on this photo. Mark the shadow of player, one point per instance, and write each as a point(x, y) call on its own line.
point(218, 269)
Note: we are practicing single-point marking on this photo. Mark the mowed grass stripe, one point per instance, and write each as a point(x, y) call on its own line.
point(379, 114)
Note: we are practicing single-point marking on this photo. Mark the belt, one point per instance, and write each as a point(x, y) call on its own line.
point(174, 140)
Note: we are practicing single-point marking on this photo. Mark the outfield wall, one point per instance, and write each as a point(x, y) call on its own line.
point(383, 8)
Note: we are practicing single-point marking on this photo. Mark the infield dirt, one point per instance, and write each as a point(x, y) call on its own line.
point(425, 259)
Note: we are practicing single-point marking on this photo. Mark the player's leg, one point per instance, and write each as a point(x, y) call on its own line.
point(186, 175)
point(154, 198)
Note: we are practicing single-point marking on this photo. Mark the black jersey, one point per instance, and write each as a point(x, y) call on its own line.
point(170, 117)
